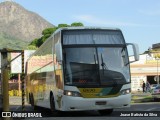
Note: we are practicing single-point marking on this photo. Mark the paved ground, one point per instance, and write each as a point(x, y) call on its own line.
point(14, 100)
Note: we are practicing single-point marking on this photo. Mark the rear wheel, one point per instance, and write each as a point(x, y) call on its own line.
point(29, 98)
point(32, 101)
point(106, 111)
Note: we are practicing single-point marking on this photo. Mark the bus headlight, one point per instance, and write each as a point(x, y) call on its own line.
point(125, 91)
point(72, 93)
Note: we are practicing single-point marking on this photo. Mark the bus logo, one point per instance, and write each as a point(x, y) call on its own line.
point(89, 90)
point(6, 114)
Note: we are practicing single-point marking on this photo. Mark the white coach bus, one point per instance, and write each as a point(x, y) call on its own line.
point(79, 69)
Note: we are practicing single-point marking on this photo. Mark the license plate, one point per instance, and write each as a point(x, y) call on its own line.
point(101, 103)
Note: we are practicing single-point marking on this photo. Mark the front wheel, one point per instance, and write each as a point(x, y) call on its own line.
point(106, 112)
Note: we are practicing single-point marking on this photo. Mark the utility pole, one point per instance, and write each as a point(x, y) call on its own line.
point(4, 79)
point(23, 89)
point(4, 70)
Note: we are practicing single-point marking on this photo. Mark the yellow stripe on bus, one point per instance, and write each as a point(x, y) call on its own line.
point(95, 93)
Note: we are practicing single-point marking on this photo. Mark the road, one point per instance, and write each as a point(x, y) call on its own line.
point(140, 108)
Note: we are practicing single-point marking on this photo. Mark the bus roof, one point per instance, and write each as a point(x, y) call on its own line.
point(77, 28)
point(85, 28)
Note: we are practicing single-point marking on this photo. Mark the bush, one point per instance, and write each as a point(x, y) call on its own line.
point(15, 93)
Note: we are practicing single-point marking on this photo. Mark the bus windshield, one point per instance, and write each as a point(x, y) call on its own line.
point(95, 66)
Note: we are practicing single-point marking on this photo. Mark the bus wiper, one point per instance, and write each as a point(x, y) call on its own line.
point(104, 67)
point(95, 58)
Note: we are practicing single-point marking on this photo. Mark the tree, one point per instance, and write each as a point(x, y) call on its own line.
point(63, 25)
point(31, 47)
point(157, 55)
point(48, 31)
point(76, 24)
point(34, 42)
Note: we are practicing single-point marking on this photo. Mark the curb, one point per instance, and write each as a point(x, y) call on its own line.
point(142, 100)
point(145, 100)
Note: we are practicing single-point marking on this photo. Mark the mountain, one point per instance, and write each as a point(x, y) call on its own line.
point(18, 26)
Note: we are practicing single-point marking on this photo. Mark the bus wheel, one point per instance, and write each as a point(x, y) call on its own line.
point(106, 111)
point(52, 106)
point(32, 101)
point(34, 107)
point(29, 98)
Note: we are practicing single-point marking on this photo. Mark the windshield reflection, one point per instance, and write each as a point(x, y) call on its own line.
point(95, 66)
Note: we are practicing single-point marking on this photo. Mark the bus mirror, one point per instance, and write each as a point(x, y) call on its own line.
point(135, 52)
point(58, 49)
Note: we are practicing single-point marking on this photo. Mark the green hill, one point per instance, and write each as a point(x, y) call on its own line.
point(12, 43)
point(19, 26)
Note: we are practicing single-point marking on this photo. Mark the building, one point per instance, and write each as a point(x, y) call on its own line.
point(146, 69)
point(156, 46)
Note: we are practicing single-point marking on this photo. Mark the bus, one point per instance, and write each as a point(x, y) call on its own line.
point(80, 69)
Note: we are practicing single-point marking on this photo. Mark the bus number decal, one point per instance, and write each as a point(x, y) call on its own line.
point(89, 90)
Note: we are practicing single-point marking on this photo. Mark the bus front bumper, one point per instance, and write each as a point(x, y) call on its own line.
point(79, 103)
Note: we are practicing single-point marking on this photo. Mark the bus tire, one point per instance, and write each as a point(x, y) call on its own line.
point(106, 112)
point(32, 102)
point(52, 106)
point(29, 98)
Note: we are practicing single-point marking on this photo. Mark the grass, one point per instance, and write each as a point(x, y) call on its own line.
point(148, 97)
point(137, 99)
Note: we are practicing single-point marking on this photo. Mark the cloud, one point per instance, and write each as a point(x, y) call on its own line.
point(98, 21)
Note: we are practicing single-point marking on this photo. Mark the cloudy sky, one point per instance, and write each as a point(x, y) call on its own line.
point(139, 20)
